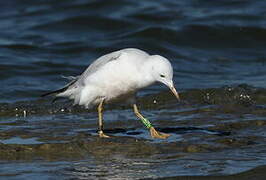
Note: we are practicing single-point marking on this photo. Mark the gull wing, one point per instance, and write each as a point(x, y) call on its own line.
point(98, 64)
point(103, 60)
point(78, 81)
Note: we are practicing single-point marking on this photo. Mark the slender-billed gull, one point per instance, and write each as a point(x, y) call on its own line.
point(118, 76)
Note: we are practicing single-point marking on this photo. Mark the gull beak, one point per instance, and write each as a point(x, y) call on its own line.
point(175, 92)
point(170, 84)
point(172, 87)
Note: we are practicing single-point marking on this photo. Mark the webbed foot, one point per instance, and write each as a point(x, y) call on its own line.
point(102, 135)
point(157, 134)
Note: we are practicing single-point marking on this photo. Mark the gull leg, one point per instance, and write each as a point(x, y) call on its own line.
point(146, 122)
point(100, 115)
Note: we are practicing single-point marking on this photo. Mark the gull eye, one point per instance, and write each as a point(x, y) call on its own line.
point(163, 76)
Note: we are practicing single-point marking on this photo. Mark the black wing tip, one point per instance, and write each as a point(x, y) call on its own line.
point(60, 90)
point(45, 94)
point(54, 92)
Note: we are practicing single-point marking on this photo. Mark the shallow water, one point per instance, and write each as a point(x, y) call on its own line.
point(217, 49)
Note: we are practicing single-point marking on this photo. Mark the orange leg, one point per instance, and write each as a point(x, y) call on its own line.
point(146, 122)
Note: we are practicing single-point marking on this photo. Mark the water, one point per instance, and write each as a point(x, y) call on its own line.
point(218, 52)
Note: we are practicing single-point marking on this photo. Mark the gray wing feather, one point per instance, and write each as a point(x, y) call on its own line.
point(98, 64)
point(102, 61)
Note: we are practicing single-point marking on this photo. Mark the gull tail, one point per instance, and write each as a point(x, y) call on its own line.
point(58, 91)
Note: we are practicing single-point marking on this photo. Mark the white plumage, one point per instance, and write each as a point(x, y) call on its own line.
point(118, 76)
point(114, 76)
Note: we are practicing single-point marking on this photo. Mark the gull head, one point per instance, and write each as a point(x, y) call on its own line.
point(162, 71)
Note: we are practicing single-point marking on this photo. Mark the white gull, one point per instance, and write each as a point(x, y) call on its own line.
point(118, 76)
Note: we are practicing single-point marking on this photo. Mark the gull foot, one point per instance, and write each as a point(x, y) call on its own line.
point(102, 135)
point(157, 134)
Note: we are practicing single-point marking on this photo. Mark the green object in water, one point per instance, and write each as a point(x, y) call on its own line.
point(146, 122)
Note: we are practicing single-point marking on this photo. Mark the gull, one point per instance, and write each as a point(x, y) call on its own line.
point(117, 77)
